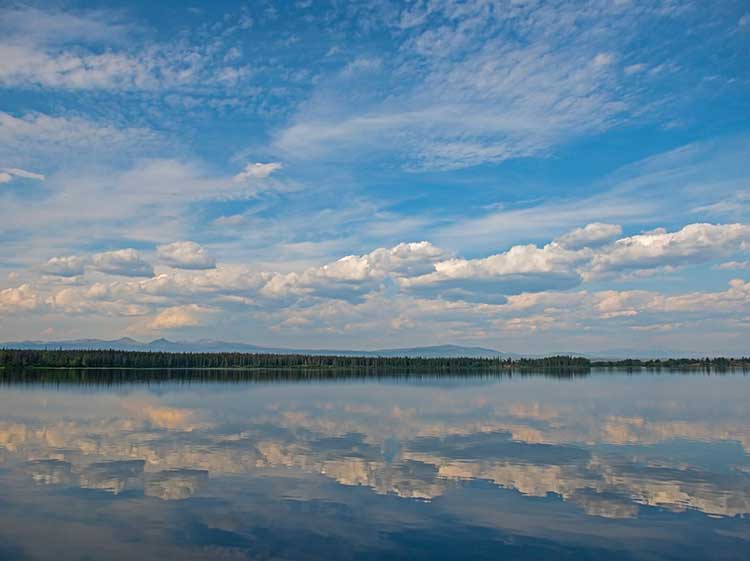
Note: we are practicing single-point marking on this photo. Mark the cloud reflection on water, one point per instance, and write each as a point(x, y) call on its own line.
point(608, 448)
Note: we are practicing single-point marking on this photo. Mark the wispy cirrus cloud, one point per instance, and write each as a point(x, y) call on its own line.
point(9, 174)
point(31, 138)
point(733, 265)
point(537, 150)
point(64, 50)
point(257, 171)
point(513, 82)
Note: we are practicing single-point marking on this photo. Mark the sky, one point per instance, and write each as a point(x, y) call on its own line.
point(526, 175)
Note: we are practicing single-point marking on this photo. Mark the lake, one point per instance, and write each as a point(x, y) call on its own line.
point(607, 466)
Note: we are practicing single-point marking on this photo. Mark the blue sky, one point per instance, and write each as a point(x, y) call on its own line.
point(526, 175)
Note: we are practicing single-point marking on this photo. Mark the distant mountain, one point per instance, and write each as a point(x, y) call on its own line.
point(210, 346)
point(437, 351)
point(624, 354)
point(645, 354)
point(441, 351)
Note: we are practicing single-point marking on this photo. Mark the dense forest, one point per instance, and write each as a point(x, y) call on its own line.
point(20, 359)
point(717, 363)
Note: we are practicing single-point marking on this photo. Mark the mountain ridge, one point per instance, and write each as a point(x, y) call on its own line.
point(432, 351)
point(213, 346)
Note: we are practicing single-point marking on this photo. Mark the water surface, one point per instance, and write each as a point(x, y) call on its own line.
point(608, 466)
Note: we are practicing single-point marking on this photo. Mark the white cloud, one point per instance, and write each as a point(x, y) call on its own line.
point(426, 270)
point(56, 27)
point(733, 265)
point(403, 259)
point(177, 317)
point(361, 65)
point(513, 82)
point(66, 266)
point(410, 287)
point(37, 136)
point(675, 183)
point(604, 59)
point(95, 301)
point(9, 174)
point(522, 268)
point(638, 308)
point(418, 268)
point(232, 220)
point(19, 299)
point(591, 235)
point(353, 275)
point(185, 255)
point(634, 69)
point(125, 262)
point(100, 51)
point(17, 172)
point(148, 201)
point(25, 66)
point(693, 244)
point(258, 171)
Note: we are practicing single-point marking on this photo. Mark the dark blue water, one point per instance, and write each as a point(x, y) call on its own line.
point(609, 466)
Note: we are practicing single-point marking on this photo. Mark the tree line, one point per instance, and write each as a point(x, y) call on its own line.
point(15, 359)
point(24, 358)
point(707, 363)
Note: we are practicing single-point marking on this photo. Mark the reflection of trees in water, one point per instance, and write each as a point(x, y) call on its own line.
point(114, 376)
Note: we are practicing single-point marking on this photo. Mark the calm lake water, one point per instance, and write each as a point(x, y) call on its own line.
point(608, 466)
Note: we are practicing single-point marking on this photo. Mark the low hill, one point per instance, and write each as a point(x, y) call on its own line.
point(210, 346)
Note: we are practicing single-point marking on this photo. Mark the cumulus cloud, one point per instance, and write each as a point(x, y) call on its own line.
point(403, 259)
point(185, 255)
point(409, 286)
point(19, 299)
point(96, 300)
point(353, 275)
point(591, 235)
point(629, 304)
point(257, 171)
point(176, 317)
point(125, 262)
point(65, 266)
point(693, 244)
point(522, 268)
